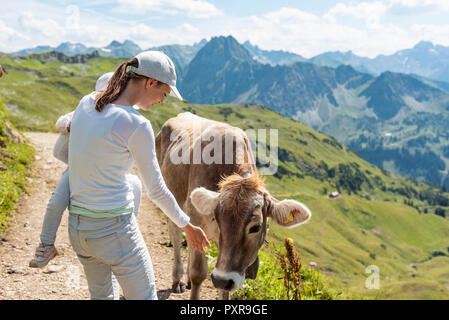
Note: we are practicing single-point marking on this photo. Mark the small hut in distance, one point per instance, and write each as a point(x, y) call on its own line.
point(334, 195)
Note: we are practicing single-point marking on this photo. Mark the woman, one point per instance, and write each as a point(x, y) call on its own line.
point(60, 198)
point(106, 136)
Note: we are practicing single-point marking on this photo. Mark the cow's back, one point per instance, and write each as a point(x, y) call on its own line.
point(182, 178)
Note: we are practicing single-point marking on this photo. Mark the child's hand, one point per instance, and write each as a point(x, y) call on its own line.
point(63, 123)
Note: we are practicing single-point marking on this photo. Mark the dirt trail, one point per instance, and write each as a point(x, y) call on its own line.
point(59, 279)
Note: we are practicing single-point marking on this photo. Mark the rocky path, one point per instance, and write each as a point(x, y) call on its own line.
point(64, 278)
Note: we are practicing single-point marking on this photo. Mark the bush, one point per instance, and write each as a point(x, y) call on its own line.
point(226, 111)
point(440, 212)
point(189, 109)
point(239, 115)
point(438, 254)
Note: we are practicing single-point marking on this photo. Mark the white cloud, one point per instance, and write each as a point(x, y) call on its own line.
point(53, 25)
point(199, 9)
point(9, 35)
point(290, 15)
point(307, 34)
point(147, 36)
point(418, 6)
point(48, 27)
point(434, 33)
point(366, 28)
point(370, 12)
point(189, 28)
point(142, 32)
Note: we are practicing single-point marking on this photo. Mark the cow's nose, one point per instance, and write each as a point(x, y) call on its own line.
point(222, 283)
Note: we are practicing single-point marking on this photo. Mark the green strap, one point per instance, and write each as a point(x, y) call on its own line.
point(129, 208)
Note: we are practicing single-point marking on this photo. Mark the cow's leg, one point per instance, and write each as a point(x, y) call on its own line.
point(224, 294)
point(198, 270)
point(178, 268)
point(189, 283)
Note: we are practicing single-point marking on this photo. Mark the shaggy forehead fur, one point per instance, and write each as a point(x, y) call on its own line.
point(237, 191)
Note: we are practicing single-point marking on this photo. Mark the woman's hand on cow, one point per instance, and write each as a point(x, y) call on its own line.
point(196, 238)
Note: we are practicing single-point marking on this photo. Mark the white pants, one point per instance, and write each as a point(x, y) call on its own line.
point(107, 246)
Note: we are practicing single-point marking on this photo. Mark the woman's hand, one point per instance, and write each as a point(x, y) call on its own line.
point(196, 238)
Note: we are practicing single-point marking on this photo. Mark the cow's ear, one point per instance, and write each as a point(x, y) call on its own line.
point(288, 213)
point(204, 200)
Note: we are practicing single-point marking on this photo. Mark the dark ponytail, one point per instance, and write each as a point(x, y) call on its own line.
point(117, 84)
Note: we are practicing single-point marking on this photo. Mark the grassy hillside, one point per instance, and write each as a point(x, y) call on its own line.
point(15, 159)
point(38, 88)
point(381, 219)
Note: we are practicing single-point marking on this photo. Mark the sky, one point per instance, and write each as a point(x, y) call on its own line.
point(367, 28)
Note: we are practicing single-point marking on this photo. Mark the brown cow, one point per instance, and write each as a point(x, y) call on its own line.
point(226, 197)
point(1, 71)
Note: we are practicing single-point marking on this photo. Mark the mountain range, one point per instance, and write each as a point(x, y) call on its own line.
point(424, 60)
point(223, 71)
point(394, 120)
point(114, 49)
point(181, 54)
point(272, 57)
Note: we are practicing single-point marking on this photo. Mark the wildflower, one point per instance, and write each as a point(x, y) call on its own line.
point(292, 270)
point(312, 264)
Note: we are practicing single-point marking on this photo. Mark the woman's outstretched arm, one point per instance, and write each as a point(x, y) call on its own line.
point(143, 148)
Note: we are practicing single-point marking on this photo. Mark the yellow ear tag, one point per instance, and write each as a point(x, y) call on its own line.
point(290, 218)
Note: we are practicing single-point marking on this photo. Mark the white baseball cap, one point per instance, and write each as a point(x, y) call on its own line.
point(157, 65)
point(102, 82)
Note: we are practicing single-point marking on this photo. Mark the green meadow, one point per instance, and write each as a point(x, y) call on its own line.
point(15, 161)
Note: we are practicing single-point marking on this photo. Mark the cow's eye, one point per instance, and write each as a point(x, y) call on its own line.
point(255, 228)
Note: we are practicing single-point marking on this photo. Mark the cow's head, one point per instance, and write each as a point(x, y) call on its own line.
point(241, 208)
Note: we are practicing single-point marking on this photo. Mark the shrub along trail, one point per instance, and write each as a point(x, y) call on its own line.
point(58, 280)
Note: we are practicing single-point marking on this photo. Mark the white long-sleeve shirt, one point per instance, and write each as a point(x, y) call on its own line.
point(61, 148)
point(102, 149)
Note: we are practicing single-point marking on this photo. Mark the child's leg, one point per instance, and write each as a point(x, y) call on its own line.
point(136, 185)
point(59, 201)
